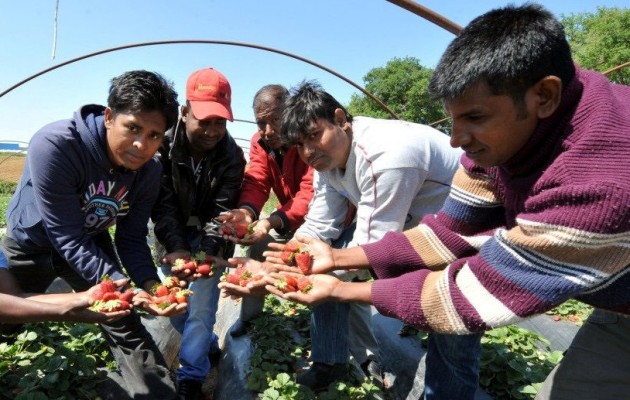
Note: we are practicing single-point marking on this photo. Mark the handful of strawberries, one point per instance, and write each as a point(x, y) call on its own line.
point(287, 283)
point(108, 299)
point(201, 263)
point(169, 292)
point(237, 229)
point(240, 276)
point(296, 254)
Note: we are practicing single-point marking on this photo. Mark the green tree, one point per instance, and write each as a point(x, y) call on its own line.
point(599, 40)
point(402, 86)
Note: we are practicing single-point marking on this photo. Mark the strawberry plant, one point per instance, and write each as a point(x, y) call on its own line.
point(281, 346)
point(515, 362)
point(53, 361)
point(571, 310)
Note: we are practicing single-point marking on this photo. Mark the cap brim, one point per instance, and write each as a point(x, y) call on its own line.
point(210, 109)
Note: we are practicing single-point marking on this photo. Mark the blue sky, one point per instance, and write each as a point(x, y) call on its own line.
point(348, 36)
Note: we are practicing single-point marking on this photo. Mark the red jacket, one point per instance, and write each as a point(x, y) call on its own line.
point(293, 185)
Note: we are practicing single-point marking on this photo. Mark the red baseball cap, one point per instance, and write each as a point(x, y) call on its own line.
point(209, 94)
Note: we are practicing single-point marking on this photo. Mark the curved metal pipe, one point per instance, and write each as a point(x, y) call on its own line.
point(429, 15)
point(223, 42)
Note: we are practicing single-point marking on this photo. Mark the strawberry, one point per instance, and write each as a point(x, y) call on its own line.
point(205, 263)
point(124, 305)
point(304, 260)
point(287, 257)
point(111, 305)
point(110, 296)
point(292, 246)
point(181, 296)
point(171, 281)
point(304, 284)
point(160, 290)
point(190, 266)
point(204, 269)
point(127, 295)
point(233, 279)
point(291, 281)
point(105, 286)
point(241, 230)
point(286, 284)
point(289, 252)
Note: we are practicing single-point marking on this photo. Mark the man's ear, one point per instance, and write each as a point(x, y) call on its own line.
point(340, 117)
point(548, 95)
point(184, 112)
point(109, 118)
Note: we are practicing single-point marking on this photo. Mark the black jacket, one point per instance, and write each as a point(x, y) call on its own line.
point(220, 184)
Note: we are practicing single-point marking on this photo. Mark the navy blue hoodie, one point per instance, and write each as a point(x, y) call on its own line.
point(70, 191)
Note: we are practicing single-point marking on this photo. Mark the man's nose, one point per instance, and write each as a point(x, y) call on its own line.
point(459, 136)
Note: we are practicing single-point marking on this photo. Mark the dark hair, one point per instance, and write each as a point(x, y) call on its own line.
point(143, 91)
point(308, 103)
point(268, 95)
point(508, 48)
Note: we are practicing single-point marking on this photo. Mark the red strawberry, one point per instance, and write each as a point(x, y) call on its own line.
point(190, 266)
point(110, 296)
point(181, 296)
point(241, 230)
point(291, 281)
point(304, 261)
point(107, 284)
point(287, 257)
point(122, 305)
point(127, 295)
point(292, 246)
point(204, 269)
point(304, 284)
point(286, 284)
point(160, 290)
point(233, 278)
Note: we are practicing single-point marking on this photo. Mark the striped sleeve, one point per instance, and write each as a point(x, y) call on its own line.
point(566, 243)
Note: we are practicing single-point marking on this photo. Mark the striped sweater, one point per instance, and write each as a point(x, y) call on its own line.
point(519, 239)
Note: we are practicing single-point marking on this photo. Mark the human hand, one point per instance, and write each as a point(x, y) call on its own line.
point(320, 251)
point(258, 231)
point(170, 258)
point(237, 215)
point(322, 287)
point(246, 280)
point(146, 301)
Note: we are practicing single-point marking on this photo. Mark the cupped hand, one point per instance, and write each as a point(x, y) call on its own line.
point(320, 251)
point(170, 258)
point(322, 287)
point(145, 301)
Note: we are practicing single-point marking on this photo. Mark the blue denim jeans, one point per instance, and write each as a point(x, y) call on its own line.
point(452, 361)
point(452, 366)
point(333, 323)
point(196, 326)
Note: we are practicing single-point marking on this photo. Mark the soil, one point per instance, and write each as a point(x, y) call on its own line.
point(11, 166)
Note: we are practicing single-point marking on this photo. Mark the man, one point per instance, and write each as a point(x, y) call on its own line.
point(393, 172)
point(538, 213)
point(272, 166)
point(202, 175)
point(82, 176)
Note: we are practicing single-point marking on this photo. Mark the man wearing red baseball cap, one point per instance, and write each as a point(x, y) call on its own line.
point(203, 171)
